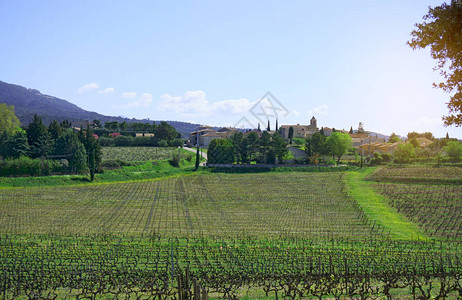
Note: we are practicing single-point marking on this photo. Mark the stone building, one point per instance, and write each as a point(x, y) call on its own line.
point(205, 134)
point(300, 131)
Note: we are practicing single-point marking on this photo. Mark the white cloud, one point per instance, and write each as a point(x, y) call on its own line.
point(320, 110)
point(128, 95)
point(88, 87)
point(196, 103)
point(106, 91)
point(144, 101)
point(296, 112)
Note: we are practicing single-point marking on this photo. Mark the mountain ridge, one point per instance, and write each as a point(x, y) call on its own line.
point(28, 101)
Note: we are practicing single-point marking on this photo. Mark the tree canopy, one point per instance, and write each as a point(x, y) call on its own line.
point(220, 151)
point(394, 138)
point(404, 153)
point(339, 143)
point(8, 120)
point(454, 150)
point(38, 138)
point(442, 32)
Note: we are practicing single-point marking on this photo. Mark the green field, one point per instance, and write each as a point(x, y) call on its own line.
point(273, 234)
point(300, 205)
point(430, 197)
point(137, 153)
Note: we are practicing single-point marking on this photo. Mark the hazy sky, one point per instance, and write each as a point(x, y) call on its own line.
point(208, 62)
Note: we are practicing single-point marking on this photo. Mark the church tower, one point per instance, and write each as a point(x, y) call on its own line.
point(313, 123)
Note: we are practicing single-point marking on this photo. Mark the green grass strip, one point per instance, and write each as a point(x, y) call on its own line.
point(376, 208)
point(143, 172)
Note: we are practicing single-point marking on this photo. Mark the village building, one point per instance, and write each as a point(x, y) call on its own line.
point(379, 147)
point(359, 139)
point(424, 142)
point(300, 131)
point(205, 134)
point(139, 134)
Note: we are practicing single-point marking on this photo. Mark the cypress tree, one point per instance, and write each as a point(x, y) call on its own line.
point(291, 134)
point(308, 147)
point(197, 158)
point(92, 164)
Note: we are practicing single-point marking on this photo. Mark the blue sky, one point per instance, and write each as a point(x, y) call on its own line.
point(209, 62)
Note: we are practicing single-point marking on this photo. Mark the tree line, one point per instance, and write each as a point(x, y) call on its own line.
point(244, 149)
point(335, 146)
point(272, 148)
point(165, 135)
point(38, 149)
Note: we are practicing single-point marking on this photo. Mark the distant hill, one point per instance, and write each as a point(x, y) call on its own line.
point(28, 102)
point(379, 135)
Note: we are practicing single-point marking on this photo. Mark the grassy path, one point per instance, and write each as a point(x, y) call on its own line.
point(376, 207)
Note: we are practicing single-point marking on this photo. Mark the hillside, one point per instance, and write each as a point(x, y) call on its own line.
point(28, 102)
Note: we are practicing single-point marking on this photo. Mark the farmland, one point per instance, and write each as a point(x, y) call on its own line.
point(137, 153)
point(418, 174)
point(224, 205)
point(291, 234)
point(430, 197)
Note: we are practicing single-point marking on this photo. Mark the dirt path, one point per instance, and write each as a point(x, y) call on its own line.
point(204, 155)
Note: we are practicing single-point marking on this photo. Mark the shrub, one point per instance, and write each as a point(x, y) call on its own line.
point(453, 150)
point(163, 143)
point(380, 158)
point(404, 153)
point(123, 141)
point(175, 160)
point(288, 156)
point(298, 141)
point(189, 157)
point(176, 143)
point(386, 157)
point(24, 166)
point(106, 142)
point(331, 162)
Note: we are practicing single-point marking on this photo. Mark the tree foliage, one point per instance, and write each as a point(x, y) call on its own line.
point(291, 134)
point(404, 153)
point(249, 147)
point(165, 131)
point(279, 146)
point(196, 165)
point(394, 138)
point(317, 142)
point(91, 145)
point(8, 120)
point(237, 139)
point(339, 143)
point(14, 145)
point(442, 32)
point(220, 151)
point(67, 150)
point(414, 142)
point(427, 135)
point(454, 150)
point(69, 146)
point(38, 138)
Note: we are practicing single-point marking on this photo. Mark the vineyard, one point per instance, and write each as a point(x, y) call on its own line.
point(137, 153)
point(292, 235)
point(436, 206)
point(419, 174)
